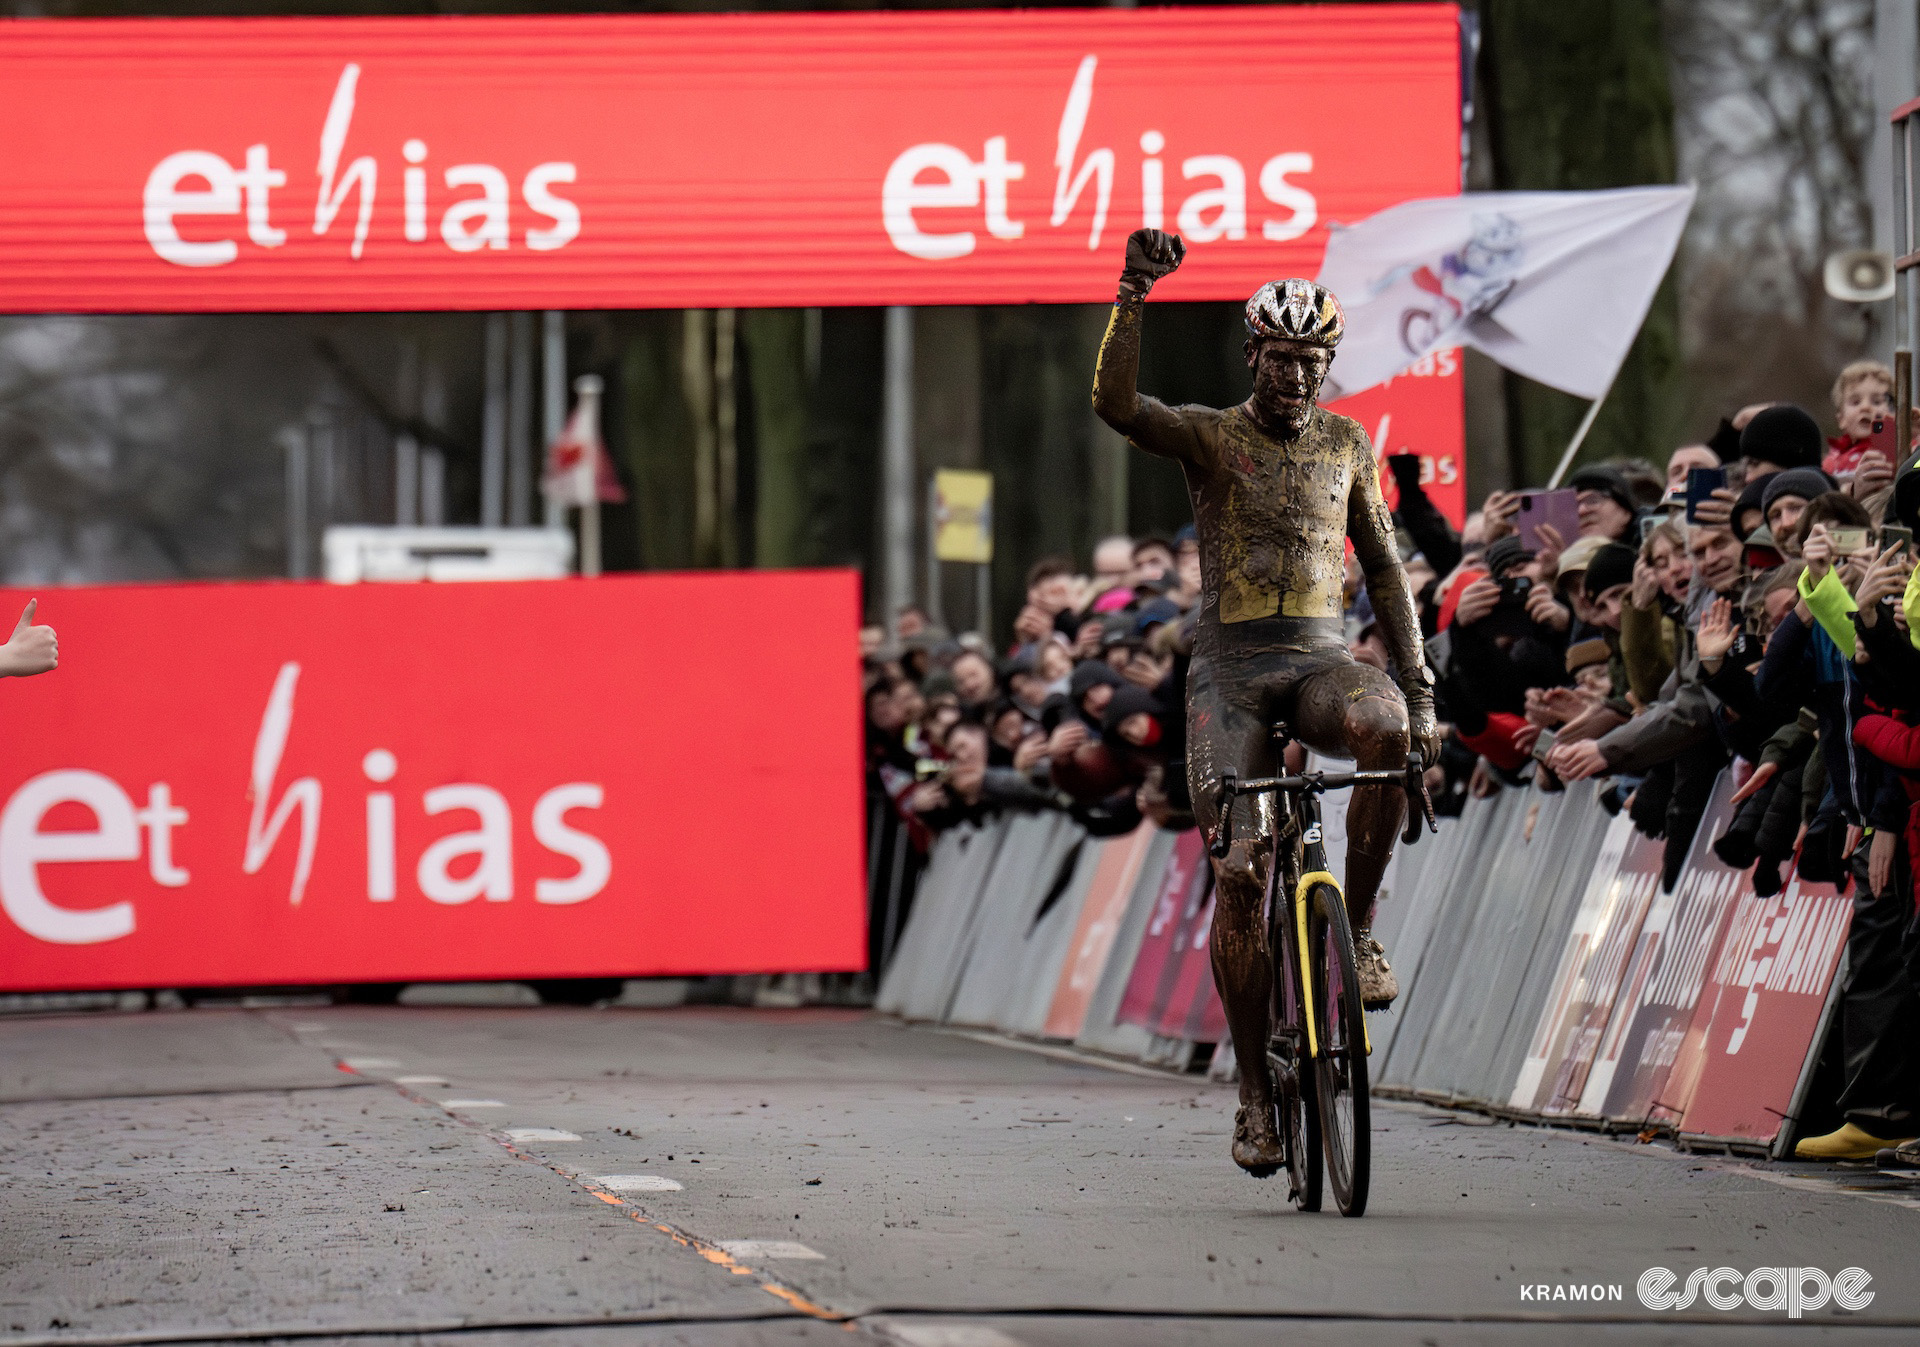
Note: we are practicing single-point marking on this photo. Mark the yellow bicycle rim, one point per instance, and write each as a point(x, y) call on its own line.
point(1307, 880)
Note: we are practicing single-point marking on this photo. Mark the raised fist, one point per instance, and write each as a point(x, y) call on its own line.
point(1151, 254)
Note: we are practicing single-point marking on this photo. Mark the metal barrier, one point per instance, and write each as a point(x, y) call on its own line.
point(1543, 973)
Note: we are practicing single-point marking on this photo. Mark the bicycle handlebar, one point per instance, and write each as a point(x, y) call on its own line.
point(1412, 781)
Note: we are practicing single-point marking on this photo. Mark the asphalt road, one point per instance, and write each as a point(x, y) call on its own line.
point(719, 1177)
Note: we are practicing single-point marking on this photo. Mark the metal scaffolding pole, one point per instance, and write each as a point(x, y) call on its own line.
point(493, 426)
point(553, 402)
point(896, 467)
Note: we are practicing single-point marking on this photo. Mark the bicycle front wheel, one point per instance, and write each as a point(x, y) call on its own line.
point(1340, 1069)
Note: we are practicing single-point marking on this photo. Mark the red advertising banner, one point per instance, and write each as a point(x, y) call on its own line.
point(1656, 1032)
point(1422, 411)
point(303, 783)
point(1171, 990)
point(1760, 1008)
point(745, 160)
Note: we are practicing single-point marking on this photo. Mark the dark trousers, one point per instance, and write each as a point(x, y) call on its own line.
point(1880, 1006)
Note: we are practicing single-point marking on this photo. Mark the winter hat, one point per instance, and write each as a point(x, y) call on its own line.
point(1611, 565)
point(1504, 554)
point(1906, 497)
point(1784, 436)
point(1582, 653)
point(1750, 500)
point(1578, 556)
point(1089, 674)
point(1805, 483)
point(1130, 701)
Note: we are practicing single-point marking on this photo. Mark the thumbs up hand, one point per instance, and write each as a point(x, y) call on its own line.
point(31, 649)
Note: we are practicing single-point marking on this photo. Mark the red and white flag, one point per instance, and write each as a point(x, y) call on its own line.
point(578, 469)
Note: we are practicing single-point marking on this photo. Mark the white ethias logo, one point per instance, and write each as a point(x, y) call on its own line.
point(1793, 1289)
point(200, 184)
point(937, 176)
point(456, 867)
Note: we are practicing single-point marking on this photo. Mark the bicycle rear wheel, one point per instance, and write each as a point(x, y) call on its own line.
point(1340, 1070)
point(1293, 1077)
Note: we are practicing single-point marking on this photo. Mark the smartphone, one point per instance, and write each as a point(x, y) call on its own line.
point(1848, 540)
point(1650, 522)
point(1559, 508)
point(1896, 533)
point(1544, 745)
point(1881, 437)
point(1701, 484)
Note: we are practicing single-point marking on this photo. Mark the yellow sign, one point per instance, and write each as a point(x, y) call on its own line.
point(963, 515)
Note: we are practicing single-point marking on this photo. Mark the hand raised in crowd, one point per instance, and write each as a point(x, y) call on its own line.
point(1547, 553)
point(1499, 512)
point(1591, 723)
point(1548, 611)
point(1032, 624)
point(30, 650)
point(1576, 761)
point(1527, 736)
point(1032, 750)
point(1873, 473)
point(1817, 551)
point(1067, 737)
point(1885, 577)
point(1537, 710)
point(927, 797)
point(1717, 632)
point(1756, 782)
point(1880, 860)
point(1144, 671)
point(1476, 601)
point(1646, 584)
point(1716, 509)
point(1086, 641)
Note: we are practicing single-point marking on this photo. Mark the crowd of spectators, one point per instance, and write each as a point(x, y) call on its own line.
point(1769, 624)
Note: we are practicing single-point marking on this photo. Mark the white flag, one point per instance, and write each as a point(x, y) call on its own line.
point(578, 471)
point(1553, 285)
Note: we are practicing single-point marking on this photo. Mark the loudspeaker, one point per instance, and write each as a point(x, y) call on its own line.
point(1859, 276)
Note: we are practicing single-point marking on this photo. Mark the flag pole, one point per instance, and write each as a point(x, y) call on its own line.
point(1586, 424)
point(590, 538)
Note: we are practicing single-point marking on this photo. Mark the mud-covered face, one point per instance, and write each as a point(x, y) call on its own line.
point(1286, 379)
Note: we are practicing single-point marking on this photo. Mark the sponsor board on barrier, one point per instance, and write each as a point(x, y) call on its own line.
point(1100, 918)
point(1656, 1036)
point(299, 783)
point(1591, 964)
point(1761, 1006)
point(1181, 891)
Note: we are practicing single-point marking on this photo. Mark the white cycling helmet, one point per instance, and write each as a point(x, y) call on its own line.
point(1298, 310)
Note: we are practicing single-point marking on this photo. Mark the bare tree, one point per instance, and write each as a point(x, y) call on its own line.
point(1773, 111)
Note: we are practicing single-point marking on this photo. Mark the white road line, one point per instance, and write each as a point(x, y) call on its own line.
point(471, 1103)
point(419, 1080)
point(637, 1183)
point(539, 1134)
point(746, 1249)
point(370, 1063)
point(944, 1335)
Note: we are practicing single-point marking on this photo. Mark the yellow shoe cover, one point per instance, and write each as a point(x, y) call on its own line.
point(1849, 1143)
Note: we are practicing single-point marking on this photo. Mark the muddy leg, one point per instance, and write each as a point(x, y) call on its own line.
point(1356, 711)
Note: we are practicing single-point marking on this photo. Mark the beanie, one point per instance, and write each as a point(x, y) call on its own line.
point(1611, 565)
point(1805, 483)
point(1582, 653)
point(1503, 554)
point(1783, 435)
point(1750, 501)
